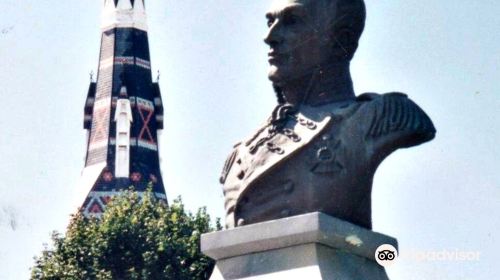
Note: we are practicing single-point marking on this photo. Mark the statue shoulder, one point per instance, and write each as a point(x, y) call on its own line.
point(394, 121)
point(229, 163)
point(236, 148)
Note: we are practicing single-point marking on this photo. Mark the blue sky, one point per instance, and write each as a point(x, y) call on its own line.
point(444, 195)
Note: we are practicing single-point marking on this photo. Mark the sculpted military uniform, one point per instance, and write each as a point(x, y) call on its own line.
point(319, 159)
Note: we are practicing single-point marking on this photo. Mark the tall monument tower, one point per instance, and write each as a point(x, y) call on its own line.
point(123, 111)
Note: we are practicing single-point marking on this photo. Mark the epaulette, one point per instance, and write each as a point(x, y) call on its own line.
point(369, 96)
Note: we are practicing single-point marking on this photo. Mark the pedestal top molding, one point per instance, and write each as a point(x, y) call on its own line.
point(308, 228)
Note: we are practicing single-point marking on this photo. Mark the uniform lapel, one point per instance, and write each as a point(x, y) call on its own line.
point(281, 147)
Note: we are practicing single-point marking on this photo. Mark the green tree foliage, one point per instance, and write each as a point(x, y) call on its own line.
point(136, 238)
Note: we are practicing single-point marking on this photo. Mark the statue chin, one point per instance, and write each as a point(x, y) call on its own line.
point(273, 74)
point(279, 76)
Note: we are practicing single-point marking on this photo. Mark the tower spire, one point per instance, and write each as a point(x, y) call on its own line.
point(123, 111)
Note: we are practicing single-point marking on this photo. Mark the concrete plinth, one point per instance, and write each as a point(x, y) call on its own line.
point(312, 246)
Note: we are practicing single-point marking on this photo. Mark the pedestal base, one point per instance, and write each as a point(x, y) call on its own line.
point(312, 246)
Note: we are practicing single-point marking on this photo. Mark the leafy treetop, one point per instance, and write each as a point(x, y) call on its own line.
point(138, 237)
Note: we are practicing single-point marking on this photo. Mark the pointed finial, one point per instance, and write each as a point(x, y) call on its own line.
point(134, 2)
point(91, 74)
point(158, 76)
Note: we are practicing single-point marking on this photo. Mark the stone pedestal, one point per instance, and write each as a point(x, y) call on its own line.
point(312, 246)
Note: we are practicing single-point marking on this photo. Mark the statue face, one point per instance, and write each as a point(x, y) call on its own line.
point(299, 37)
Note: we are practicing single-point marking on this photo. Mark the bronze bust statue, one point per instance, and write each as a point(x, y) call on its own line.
point(322, 144)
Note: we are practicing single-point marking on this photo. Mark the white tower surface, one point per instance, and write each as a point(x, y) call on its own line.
point(123, 119)
point(124, 14)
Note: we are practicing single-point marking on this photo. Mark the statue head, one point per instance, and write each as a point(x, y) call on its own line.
point(305, 35)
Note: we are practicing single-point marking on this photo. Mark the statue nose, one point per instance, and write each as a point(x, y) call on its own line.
point(274, 36)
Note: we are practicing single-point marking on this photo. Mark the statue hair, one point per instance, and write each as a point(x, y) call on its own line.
point(348, 27)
